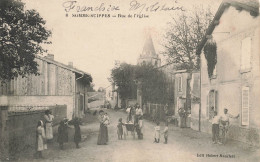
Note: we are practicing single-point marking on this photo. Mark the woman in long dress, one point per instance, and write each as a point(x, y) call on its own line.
point(62, 133)
point(77, 136)
point(102, 136)
point(40, 139)
point(48, 124)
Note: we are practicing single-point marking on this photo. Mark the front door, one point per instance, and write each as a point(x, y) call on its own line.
point(81, 107)
point(212, 103)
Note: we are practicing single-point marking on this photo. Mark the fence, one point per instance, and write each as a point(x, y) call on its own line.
point(154, 111)
point(21, 125)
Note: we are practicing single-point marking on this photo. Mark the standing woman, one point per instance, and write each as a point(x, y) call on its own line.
point(40, 139)
point(102, 136)
point(62, 134)
point(77, 136)
point(48, 124)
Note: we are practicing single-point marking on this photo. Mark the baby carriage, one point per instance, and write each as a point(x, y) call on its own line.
point(130, 127)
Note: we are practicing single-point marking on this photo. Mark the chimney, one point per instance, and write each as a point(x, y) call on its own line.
point(50, 56)
point(70, 64)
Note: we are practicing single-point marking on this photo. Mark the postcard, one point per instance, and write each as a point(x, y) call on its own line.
point(129, 80)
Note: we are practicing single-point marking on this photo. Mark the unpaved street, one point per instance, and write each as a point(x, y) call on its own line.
point(184, 145)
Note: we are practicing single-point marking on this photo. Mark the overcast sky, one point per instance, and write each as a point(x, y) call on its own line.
point(93, 44)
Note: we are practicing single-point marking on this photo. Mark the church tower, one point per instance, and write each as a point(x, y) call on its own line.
point(148, 55)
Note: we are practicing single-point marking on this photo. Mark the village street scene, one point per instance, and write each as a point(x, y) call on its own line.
point(133, 81)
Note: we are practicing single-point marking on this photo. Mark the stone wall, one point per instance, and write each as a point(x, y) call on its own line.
point(42, 100)
point(18, 129)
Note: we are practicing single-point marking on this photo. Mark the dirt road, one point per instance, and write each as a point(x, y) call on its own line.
point(184, 145)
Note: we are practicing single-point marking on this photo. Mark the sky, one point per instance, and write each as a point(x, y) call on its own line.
point(93, 44)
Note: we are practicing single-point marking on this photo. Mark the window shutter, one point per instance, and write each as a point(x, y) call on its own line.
point(216, 101)
point(245, 106)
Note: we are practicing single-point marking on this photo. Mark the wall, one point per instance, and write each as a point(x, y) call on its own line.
point(43, 100)
point(21, 127)
point(229, 78)
point(4, 144)
point(195, 100)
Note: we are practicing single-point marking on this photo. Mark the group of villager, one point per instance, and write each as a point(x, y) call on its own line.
point(44, 132)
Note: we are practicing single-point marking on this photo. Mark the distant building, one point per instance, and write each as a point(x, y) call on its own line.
point(235, 83)
point(112, 96)
point(148, 55)
point(180, 91)
point(57, 84)
point(186, 91)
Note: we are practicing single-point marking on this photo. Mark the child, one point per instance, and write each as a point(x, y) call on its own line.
point(120, 129)
point(157, 133)
point(215, 128)
point(40, 139)
point(106, 120)
point(165, 132)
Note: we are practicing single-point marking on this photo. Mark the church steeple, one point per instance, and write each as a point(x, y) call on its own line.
point(148, 55)
point(148, 49)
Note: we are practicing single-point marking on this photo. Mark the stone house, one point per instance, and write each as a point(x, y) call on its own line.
point(57, 84)
point(186, 93)
point(235, 81)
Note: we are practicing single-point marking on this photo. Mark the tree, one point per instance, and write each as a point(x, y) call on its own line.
point(22, 33)
point(153, 83)
point(183, 36)
point(182, 39)
point(123, 77)
point(151, 80)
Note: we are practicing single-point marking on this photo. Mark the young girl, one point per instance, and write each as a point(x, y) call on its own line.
point(40, 139)
point(120, 129)
point(165, 132)
point(157, 133)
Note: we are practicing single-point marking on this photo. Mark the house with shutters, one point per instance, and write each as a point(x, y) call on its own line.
point(234, 83)
point(186, 94)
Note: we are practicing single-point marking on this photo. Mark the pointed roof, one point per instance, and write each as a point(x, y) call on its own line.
point(148, 48)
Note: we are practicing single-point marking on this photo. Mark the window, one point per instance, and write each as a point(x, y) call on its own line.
point(245, 53)
point(180, 84)
point(245, 106)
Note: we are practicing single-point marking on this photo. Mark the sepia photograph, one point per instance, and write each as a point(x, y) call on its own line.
point(129, 80)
